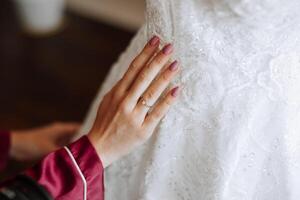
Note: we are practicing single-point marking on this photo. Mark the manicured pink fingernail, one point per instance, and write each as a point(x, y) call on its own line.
point(168, 49)
point(174, 66)
point(154, 41)
point(175, 91)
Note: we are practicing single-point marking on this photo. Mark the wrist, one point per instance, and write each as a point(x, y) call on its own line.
point(16, 149)
point(101, 150)
point(14, 141)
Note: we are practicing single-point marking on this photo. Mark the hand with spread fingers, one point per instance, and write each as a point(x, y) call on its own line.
point(33, 144)
point(130, 112)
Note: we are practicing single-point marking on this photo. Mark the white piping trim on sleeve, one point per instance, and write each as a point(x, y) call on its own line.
point(80, 173)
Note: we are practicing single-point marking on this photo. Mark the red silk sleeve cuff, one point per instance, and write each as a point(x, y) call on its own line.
point(73, 172)
point(4, 148)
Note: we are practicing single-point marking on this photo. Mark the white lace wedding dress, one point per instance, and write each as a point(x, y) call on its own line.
point(235, 132)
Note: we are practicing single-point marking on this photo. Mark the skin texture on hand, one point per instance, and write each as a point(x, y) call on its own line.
point(124, 119)
point(33, 144)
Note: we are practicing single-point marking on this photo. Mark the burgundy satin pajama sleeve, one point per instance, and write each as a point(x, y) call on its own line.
point(74, 172)
point(4, 148)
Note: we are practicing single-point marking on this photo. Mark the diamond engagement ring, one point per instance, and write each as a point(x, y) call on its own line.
point(144, 103)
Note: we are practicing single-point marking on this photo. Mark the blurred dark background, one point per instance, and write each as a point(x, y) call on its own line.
point(53, 78)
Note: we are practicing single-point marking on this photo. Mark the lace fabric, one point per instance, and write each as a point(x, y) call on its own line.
point(234, 133)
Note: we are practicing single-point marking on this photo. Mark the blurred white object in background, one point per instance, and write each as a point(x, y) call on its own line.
point(127, 14)
point(40, 16)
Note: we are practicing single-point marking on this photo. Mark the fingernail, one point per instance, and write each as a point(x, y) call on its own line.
point(168, 49)
point(174, 66)
point(175, 91)
point(154, 41)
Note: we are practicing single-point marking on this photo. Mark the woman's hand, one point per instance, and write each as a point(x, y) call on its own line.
point(125, 120)
point(30, 145)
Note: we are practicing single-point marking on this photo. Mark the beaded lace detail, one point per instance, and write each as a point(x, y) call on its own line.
point(235, 132)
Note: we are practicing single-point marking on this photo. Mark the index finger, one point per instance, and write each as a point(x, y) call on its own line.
point(148, 74)
point(139, 62)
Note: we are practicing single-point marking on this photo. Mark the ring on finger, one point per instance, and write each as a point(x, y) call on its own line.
point(144, 102)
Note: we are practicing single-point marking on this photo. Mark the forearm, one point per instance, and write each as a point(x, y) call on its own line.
point(73, 172)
